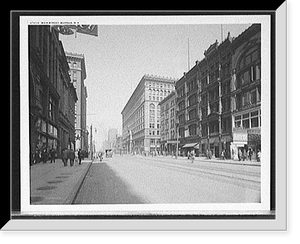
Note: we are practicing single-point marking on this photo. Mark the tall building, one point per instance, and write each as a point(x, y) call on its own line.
point(78, 75)
point(52, 96)
point(141, 114)
point(215, 107)
point(112, 137)
point(246, 90)
point(219, 99)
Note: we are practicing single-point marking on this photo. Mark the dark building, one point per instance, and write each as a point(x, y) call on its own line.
point(51, 95)
point(188, 111)
point(218, 100)
point(246, 90)
point(215, 112)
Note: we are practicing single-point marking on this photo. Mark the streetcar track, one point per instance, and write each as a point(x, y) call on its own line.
point(195, 171)
point(240, 172)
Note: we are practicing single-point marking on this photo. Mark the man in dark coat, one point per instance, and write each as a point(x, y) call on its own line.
point(79, 156)
point(52, 155)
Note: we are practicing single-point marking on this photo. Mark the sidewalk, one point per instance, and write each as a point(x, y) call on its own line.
point(52, 183)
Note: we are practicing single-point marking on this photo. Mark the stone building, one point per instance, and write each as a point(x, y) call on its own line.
point(141, 115)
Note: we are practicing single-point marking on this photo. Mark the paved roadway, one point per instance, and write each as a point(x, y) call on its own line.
point(138, 179)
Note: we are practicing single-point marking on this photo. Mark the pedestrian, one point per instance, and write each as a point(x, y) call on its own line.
point(37, 158)
point(258, 155)
point(250, 152)
point(79, 156)
point(232, 154)
point(222, 155)
point(71, 156)
point(240, 154)
point(188, 154)
point(65, 157)
point(100, 156)
point(192, 155)
point(52, 155)
point(44, 155)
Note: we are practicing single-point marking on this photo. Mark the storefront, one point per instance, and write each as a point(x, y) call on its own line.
point(189, 147)
point(244, 139)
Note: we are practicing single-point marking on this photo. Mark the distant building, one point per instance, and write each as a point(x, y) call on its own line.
point(141, 114)
point(78, 75)
point(112, 136)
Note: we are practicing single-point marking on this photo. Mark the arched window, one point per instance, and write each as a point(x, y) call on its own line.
point(249, 66)
point(192, 114)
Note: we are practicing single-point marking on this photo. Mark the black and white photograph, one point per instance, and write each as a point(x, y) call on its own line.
point(154, 116)
point(106, 110)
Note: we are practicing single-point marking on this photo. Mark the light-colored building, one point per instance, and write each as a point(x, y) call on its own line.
point(141, 114)
point(78, 75)
point(168, 141)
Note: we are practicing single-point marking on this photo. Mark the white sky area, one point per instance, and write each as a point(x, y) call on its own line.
point(117, 59)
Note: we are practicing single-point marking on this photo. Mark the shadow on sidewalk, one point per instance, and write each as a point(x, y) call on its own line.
point(102, 185)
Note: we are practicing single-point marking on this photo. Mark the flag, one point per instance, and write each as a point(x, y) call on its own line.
point(71, 29)
point(87, 29)
point(63, 29)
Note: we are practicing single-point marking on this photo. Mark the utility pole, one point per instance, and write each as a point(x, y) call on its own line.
point(221, 33)
point(91, 142)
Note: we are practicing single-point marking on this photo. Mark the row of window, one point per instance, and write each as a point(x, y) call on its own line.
point(159, 84)
point(248, 120)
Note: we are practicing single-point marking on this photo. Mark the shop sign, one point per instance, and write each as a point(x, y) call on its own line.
point(254, 131)
point(240, 137)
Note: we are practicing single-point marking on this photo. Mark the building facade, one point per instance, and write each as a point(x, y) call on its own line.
point(68, 99)
point(187, 89)
point(246, 91)
point(218, 100)
point(215, 99)
point(141, 115)
point(168, 132)
point(78, 75)
point(51, 94)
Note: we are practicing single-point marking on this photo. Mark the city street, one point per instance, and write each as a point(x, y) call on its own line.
point(138, 179)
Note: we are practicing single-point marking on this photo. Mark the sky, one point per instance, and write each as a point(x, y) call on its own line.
point(118, 58)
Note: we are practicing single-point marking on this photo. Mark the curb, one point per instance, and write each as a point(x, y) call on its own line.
point(73, 194)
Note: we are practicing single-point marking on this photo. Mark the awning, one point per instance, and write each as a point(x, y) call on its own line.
point(190, 145)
